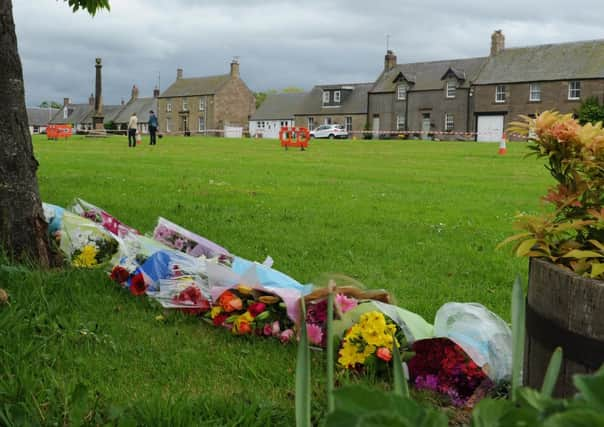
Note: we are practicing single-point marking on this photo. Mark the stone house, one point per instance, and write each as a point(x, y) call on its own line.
point(200, 104)
point(423, 97)
point(529, 80)
point(276, 111)
point(75, 115)
point(344, 104)
point(38, 119)
point(140, 106)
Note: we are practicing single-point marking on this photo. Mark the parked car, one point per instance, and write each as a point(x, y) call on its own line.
point(329, 131)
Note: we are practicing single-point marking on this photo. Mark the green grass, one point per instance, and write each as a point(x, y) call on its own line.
point(420, 219)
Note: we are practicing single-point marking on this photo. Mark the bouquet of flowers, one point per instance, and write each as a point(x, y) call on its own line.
point(185, 293)
point(370, 342)
point(183, 240)
point(84, 242)
point(98, 215)
point(444, 367)
point(249, 310)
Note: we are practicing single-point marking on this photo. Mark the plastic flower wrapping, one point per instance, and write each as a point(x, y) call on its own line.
point(462, 356)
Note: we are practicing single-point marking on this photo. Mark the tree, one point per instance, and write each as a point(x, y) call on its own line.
point(23, 228)
point(50, 104)
point(591, 111)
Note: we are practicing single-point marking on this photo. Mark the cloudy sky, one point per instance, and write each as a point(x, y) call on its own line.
point(279, 43)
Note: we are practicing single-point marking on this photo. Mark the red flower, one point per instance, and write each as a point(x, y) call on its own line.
point(256, 308)
point(119, 274)
point(219, 320)
point(137, 285)
point(384, 354)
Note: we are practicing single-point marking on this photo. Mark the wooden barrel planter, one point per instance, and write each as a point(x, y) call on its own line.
point(565, 310)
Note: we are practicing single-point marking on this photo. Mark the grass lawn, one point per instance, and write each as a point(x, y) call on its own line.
point(420, 219)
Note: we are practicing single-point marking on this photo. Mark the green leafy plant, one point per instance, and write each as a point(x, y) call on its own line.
point(591, 111)
point(571, 236)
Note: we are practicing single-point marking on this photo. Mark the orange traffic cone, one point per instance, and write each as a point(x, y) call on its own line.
point(502, 148)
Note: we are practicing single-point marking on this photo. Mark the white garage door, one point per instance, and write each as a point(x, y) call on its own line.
point(489, 129)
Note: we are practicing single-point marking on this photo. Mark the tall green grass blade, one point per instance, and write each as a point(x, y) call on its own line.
point(551, 375)
point(303, 374)
point(330, 349)
point(401, 388)
point(518, 333)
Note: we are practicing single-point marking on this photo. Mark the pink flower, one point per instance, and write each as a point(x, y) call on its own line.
point(286, 336)
point(275, 328)
point(267, 330)
point(179, 244)
point(256, 308)
point(345, 303)
point(315, 334)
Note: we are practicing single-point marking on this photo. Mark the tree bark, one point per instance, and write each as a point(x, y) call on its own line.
point(23, 228)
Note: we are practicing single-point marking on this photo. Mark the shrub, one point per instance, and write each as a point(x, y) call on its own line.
point(591, 111)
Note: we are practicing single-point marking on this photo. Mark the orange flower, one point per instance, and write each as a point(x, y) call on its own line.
point(384, 354)
point(230, 302)
point(565, 130)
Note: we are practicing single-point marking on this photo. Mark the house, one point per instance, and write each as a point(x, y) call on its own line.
point(75, 115)
point(205, 103)
point(140, 106)
point(423, 98)
point(276, 111)
point(38, 119)
point(110, 112)
point(344, 104)
point(529, 80)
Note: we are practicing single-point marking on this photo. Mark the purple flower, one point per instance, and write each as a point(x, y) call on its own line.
point(317, 313)
point(429, 382)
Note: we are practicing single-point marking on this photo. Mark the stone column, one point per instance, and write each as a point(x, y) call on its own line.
point(98, 118)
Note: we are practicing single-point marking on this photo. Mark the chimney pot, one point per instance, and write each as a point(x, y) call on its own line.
point(389, 60)
point(66, 101)
point(497, 42)
point(178, 73)
point(134, 93)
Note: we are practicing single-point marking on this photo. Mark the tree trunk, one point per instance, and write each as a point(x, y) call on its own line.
point(23, 229)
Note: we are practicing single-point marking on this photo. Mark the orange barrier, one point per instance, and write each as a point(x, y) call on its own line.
point(58, 131)
point(294, 136)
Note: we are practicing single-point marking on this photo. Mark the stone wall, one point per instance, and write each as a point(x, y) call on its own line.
point(234, 104)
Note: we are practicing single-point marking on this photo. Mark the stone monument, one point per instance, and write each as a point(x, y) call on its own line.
point(98, 118)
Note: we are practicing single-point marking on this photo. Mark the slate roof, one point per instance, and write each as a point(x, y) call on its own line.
point(195, 86)
point(77, 113)
point(279, 106)
point(355, 103)
point(140, 106)
point(40, 116)
point(562, 61)
point(109, 114)
point(428, 75)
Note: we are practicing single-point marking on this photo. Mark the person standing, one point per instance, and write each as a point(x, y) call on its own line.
point(132, 128)
point(153, 125)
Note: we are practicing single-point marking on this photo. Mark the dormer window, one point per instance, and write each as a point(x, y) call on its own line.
point(325, 97)
point(336, 97)
point(451, 89)
point(401, 92)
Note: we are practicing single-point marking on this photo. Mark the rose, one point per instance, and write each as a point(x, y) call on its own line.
point(267, 330)
point(230, 302)
point(275, 328)
point(219, 319)
point(286, 336)
point(256, 308)
point(119, 274)
point(384, 354)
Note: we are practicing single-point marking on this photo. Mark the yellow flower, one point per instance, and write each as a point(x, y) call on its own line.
point(215, 311)
point(86, 258)
point(244, 290)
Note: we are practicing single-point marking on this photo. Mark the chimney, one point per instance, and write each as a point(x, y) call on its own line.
point(389, 60)
point(156, 92)
point(66, 101)
point(497, 42)
point(178, 73)
point(235, 67)
point(134, 93)
point(91, 99)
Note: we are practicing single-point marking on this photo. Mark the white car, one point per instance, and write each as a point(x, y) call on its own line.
point(329, 131)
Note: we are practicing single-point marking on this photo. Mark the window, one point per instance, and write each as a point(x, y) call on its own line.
point(400, 122)
point(534, 92)
point(327, 120)
point(185, 105)
point(449, 122)
point(325, 97)
point(401, 93)
point(574, 90)
point(311, 123)
point(169, 107)
point(201, 125)
point(336, 97)
point(168, 124)
point(500, 93)
point(202, 104)
point(349, 124)
point(451, 89)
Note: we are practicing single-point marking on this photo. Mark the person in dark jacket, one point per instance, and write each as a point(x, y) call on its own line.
point(153, 125)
